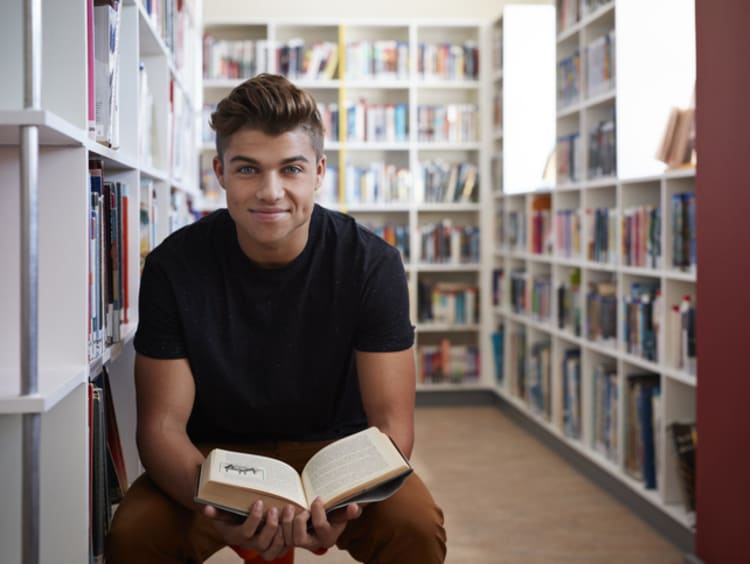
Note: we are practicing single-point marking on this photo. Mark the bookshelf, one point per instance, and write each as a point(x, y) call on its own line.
point(166, 45)
point(401, 102)
point(590, 270)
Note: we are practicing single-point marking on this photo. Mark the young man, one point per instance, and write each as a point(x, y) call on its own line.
point(274, 327)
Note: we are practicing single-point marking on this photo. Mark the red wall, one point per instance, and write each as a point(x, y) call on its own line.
point(723, 293)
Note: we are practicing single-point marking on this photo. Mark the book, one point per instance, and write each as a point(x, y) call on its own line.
point(106, 71)
point(118, 475)
point(685, 440)
point(101, 509)
point(362, 467)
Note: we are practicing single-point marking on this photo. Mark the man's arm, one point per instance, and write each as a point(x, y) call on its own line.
point(387, 382)
point(165, 392)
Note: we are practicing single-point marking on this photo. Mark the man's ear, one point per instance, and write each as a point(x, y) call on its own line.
point(219, 170)
point(320, 172)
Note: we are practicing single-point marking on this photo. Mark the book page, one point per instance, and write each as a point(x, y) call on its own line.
point(349, 464)
point(249, 471)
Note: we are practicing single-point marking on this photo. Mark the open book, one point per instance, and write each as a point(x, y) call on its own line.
point(363, 467)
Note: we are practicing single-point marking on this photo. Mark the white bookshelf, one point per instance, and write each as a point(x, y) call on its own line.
point(653, 59)
point(411, 89)
point(64, 150)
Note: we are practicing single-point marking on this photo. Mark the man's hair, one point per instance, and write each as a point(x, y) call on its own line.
point(271, 104)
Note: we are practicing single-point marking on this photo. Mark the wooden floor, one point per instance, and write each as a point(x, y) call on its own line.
point(508, 499)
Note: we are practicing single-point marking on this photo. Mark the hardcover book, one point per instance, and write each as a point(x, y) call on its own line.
point(363, 467)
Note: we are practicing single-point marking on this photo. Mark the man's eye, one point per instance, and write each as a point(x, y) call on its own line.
point(293, 169)
point(246, 170)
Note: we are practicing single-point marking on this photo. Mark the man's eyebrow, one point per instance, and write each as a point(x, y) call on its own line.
point(288, 160)
point(294, 159)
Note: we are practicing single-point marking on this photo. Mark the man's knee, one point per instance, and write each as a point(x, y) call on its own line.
point(146, 522)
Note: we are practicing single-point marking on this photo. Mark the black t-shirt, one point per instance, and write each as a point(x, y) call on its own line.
point(272, 350)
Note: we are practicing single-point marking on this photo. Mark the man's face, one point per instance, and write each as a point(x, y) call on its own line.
point(270, 184)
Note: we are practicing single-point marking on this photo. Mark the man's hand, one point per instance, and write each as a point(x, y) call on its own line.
point(326, 529)
point(264, 536)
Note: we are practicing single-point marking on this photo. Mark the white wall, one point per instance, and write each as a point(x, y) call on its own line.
point(348, 9)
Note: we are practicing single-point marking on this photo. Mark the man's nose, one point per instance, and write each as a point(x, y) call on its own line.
point(272, 188)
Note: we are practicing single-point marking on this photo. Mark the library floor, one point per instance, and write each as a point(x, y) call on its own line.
point(508, 499)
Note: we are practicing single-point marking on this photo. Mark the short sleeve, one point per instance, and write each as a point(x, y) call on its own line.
point(159, 333)
point(384, 324)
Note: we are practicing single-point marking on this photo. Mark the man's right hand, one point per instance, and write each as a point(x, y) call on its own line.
point(263, 535)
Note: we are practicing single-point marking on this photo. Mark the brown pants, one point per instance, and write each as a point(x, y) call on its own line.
point(149, 527)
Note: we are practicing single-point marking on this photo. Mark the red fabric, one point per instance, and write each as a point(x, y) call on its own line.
point(252, 556)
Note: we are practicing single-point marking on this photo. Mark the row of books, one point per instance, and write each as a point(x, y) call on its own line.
point(600, 240)
point(103, 30)
point(540, 224)
point(532, 380)
point(384, 59)
point(449, 303)
point(569, 157)
point(680, 345)
point(600, 64)
point(641, 321)
point(568, 14)
point(641, 236)
point(640, 240)
point(329, 115)
point(148, 220)
point(512, 229)
point(539, 379)
point(437, 181)
point(375, 122)
point(314, 61)
point(448, 123)
point(569, 80)
point(377, 60)
point(180, 130)
point(601, 152)
point(108, 265)
point(446, 243)
point(606, 411)
point(108, 480)
point(601, 312)
point(531, 295)
point(233, 59)
point(657, 333)
point(396, 235)
point(602, 149)
point(569, 306)
point(448, 61)
point(571, 393)
point(377, 184)
point(440, 181)
point(677, 147)
point(585, 76)
point(649, 330)
point(642, 429)
point(683, 231)
point(170, 20)
point(147, 132)
point(103, 23)
point(388, 122)
point(447, 362)
point(568, 233)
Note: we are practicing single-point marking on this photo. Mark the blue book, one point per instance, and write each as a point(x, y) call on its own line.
point(646, 420)
point(497, 349)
